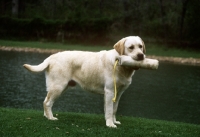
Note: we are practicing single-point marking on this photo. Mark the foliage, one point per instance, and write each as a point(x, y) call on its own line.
point(17, 122)
point(38, 28)
point(193, 21)
point(175, 22)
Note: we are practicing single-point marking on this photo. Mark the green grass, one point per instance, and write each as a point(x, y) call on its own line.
point(160, 50)
point(19, 122)
point(152, 49)
point(50, 45)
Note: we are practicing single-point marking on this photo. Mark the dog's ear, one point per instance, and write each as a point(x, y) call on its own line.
point(144, 49)
point(119, 46)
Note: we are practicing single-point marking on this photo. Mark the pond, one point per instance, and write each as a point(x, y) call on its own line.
point(170, 93)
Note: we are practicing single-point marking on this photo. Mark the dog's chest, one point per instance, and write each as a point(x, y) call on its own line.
point(123, 80)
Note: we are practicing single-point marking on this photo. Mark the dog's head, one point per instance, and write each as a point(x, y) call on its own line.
point(132, 46)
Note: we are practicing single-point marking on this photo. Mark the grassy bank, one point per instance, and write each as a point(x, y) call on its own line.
point(18, 122)
point(152, 49)
point(49, 45)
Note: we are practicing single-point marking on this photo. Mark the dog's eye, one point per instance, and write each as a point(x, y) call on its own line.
point(132, 47)
point(140, 46)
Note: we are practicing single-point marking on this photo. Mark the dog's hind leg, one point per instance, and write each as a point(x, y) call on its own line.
point(54, 89)
point(52, 95)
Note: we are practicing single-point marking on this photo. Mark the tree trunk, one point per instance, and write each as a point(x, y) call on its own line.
point(184, 9)
point(162, 11)
point(15, 8)
point(101, 4)
point(163, 18)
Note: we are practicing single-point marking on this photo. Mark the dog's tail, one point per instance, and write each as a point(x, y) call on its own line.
point(37, 68)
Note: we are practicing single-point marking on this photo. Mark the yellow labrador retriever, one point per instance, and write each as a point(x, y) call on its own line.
point(93, 72)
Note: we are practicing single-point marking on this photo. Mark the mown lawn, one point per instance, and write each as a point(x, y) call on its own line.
point(50, 45)
point(152, 49)
point(19, 122)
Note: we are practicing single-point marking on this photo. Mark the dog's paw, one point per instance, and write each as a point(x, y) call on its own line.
point(110, 124)
point(117, 122)
point(53, 118)
point(50, 118)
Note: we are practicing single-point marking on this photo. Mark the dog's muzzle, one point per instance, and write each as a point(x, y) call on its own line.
point(140, 56)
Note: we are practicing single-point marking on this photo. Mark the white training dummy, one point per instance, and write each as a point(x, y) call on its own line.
point(146, 63)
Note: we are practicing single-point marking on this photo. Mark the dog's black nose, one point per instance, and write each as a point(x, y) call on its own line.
point(140, 56)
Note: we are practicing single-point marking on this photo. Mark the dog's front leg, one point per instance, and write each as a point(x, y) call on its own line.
point(108, 108)
point(115, 106)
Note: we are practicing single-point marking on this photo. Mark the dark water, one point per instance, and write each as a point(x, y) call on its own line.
point(170, 93)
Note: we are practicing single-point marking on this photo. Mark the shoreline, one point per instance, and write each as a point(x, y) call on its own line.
point(176, 60)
